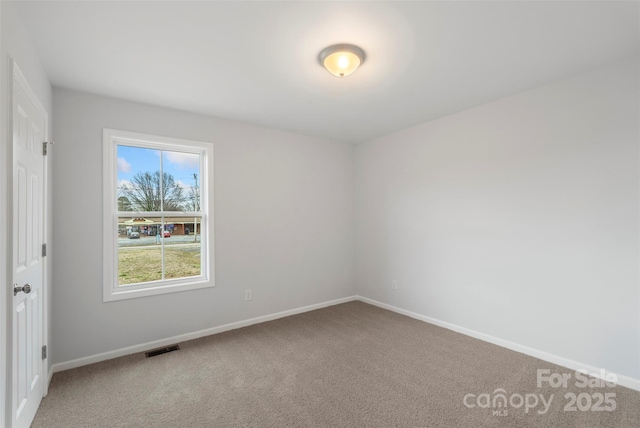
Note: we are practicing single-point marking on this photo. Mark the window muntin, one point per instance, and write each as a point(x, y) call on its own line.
point(157, 198)
point(158, 248)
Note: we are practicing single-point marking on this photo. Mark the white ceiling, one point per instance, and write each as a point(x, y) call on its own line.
point(256, 62)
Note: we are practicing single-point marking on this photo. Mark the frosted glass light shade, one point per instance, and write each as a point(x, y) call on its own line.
point(341, 60)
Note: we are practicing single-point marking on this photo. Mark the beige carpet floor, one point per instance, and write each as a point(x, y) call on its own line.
point(351, 365)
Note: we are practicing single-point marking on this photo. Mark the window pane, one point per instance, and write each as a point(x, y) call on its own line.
point(143, 242)
point(138, 179)
point(182, 251)
point(139, 250)
point(160, 188)
point(181, 181)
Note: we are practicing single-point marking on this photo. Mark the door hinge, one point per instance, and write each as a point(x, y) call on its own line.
point(44, 250)
point(44, 352)
point(44, 146)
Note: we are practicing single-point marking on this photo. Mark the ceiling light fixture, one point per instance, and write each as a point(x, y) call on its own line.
point(341, 60)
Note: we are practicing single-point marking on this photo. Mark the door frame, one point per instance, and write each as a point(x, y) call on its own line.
point(17, 78)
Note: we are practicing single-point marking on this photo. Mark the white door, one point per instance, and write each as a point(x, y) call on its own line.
point(28, 377)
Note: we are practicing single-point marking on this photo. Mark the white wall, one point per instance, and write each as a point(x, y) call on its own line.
point(284, 208)
point(517, 219)
point(15, 44)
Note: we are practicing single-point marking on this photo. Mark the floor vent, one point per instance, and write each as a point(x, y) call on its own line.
point(162, 351)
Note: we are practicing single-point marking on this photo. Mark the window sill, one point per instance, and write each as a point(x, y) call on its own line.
point(123, 293)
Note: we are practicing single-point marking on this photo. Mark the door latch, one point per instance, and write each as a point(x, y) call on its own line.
point(25, 288)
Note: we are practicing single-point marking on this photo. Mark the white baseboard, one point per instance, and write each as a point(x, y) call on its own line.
point(626, 381)
point(66, 365)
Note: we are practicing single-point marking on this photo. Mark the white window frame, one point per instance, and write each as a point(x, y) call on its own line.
point(111, 291)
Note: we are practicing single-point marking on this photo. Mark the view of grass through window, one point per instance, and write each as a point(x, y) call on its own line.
point(166, 244)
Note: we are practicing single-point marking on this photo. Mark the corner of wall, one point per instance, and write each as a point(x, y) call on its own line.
point(4, 202)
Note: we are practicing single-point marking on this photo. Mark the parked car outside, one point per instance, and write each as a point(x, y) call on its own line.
point(167, 234)
point(134, 235)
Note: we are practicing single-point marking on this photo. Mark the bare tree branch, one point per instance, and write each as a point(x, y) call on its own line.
point(145, 193)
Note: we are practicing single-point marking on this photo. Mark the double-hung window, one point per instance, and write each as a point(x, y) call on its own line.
point(158, 206)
